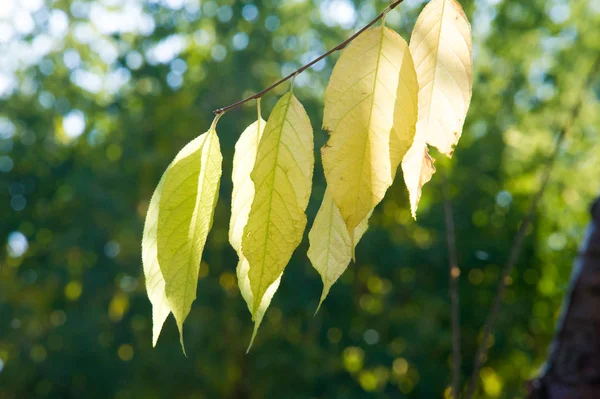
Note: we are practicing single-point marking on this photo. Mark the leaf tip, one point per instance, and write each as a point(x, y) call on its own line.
point(180, 327)
point(323, 296)
point(256, 324)
point(182, 346)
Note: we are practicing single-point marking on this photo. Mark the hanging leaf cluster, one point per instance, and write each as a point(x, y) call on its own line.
point(387, 101)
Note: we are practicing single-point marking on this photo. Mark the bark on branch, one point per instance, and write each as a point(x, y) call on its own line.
point(573, 366)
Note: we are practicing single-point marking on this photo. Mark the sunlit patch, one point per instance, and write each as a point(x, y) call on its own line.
point(353, 358)
point(240, 41)
point(88, 81)
point(73, 290)
point(559, 13)
point(71, 59)
point(224, 13)
point(38, 353)
point(7, 128)
point(166, 50)
point(23, 22)
point(7, 84)
point(74, 124)
point(118, 307)
point(338, 12)
point(128, 19)
point(272, 23)
point(7, 9)
point(112, 249)
point(371, 337)
point(58, 23)
point(17, 244)
point(250, 12)
point(492, 383)
point(400, 366)
point(173, 4)
point(125, 352)
point(219, 53)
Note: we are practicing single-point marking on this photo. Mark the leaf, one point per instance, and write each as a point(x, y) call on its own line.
point(187, 201)
point(244, 283)
point(282, 177)
point(243, 187)
point(417, 167)
point(331, 247)
point(441, 48)
point(370, 111)
point(241, 201)
point(155, 283)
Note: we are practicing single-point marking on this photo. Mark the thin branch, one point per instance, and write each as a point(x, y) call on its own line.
point(517, 245)
point(454, 274)
point(304, 67)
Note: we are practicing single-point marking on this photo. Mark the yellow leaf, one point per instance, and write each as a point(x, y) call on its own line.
point(186, 206)
point(417, 167)
point(370, 111)
point(241, 201)
point(282, 177)
point(330, 247)
point(441, 48)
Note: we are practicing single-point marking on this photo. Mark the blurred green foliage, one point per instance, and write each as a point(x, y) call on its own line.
point(97, 97)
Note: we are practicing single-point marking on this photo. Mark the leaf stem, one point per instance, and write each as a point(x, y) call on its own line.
point(215, 121)
point(306, 66)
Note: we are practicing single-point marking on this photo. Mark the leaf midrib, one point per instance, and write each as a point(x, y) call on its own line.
point(362, 164)
point(268, 224)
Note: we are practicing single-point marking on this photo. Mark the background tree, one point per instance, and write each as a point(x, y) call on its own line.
point(97, 97)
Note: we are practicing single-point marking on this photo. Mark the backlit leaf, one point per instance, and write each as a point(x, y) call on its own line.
point(282, 177)
point(417, 167)
point(441, 48)
point(188, 196)
point(370, 111)
point(330, 247)
point(241, 201)
point(155, 283)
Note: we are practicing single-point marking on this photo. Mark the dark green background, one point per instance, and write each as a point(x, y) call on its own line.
point(74, 318)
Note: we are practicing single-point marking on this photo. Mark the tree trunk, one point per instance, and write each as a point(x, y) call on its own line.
point(573, 367)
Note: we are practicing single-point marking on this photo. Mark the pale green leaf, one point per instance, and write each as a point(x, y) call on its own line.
point(242, 270)
point(282, 177)
point(241, 201)
point(370, 111)
point(186, 207)
point(330, 249)
point(155, 283)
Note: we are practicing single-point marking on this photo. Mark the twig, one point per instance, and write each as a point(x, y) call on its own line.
point(515, 251)
point(304, 67)
point(454, 274)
